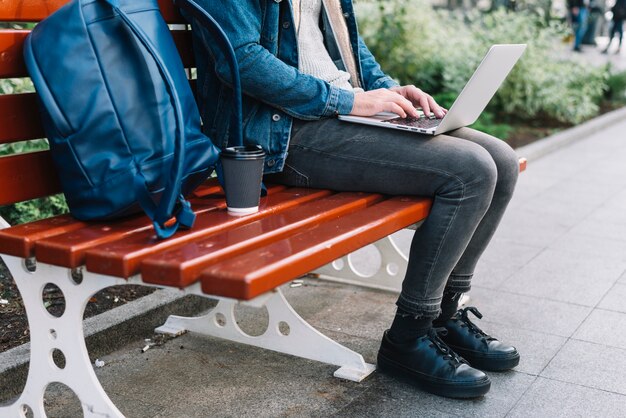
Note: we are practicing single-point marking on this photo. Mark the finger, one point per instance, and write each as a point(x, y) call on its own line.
point(395, 108)
point(435, 107)
point(406, 104)
point(414, 94)
point(425, 105)
point(408, 107)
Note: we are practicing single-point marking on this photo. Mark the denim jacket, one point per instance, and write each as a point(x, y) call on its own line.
point(264, 39)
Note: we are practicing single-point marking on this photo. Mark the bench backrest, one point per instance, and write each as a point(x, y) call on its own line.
point(25, 176)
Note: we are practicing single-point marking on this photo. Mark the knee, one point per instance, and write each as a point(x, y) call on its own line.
point(476, 176)
point(481, 173)
point(507, 163)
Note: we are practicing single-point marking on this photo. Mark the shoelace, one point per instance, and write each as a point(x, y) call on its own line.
point(479, 333)
point(446, 351)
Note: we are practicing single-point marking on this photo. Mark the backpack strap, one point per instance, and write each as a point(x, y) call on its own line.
point(161, 213)
point(207, 21)
point(220, 38)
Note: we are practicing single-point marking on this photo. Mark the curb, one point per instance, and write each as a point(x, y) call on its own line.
point(570, 136)
point(108, 331)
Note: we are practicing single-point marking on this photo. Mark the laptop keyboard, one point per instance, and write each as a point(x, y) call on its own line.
point(421, 122)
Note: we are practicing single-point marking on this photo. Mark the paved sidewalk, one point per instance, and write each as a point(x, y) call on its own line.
point(553, 283)
point(593, 54)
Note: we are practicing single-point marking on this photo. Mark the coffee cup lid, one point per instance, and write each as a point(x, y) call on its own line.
point(245, 152)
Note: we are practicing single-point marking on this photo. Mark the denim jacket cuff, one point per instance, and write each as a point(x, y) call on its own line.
point(341, 102)
point(384, 83)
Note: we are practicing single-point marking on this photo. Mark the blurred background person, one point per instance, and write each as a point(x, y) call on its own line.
point(617, 22)
point(579, 11)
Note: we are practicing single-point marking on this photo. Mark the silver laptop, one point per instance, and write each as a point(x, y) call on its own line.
point(475, 96)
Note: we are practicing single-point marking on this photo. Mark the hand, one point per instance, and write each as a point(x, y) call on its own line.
point(421, 99)
point(369, 103)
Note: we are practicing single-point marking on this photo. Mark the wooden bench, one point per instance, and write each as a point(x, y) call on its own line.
point(232, 259)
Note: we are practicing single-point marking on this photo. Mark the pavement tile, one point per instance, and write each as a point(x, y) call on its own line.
point(539, 229)
point(615, 300)
point(574, 188)
point(502, 259)
point(60, 402)
point(567, 277)
point(374, 309)
point(589, 247)
point(550, 398)
point(567, 213)
point(388, 397)
point(609, 213)
point(609, 172)
point(530, 185)
point(601, 228)
point(592, 365)
point(604, 327)
point(528, 313)
point(618, 200)
point(549, 167)
point(220, 378)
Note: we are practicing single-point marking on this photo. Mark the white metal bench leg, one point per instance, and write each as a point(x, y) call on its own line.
point(286, 333)
point(391, 272)
point(389, 276)
point(65, 334)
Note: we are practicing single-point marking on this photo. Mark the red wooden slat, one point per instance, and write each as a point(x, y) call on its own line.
point(523, 162)
point(19, 118)
point(180, 267)
point(210, 187)
point(36, 10)
point(68, 250)
point(27, 176)
point(259, 271)
point(11, 59)
point(28, 10)
point(122, 258)
point(20, 239)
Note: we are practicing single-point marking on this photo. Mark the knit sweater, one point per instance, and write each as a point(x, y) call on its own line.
point(314, 59)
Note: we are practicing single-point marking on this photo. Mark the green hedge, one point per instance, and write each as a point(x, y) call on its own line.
point(439, 50)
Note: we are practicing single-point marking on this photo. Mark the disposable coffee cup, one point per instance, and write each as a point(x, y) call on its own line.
point(243, 173)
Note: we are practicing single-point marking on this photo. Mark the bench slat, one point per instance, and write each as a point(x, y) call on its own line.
point(36, 10)
point(180, 267)
point(20, 240)
point(256, 272)
point(19, 118)
point(27, 176)
point(12, 58)
point(122, 258)
point(68, 250)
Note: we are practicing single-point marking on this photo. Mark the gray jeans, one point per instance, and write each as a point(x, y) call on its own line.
point(470, 175)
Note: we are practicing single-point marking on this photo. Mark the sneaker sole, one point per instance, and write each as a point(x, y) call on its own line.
point(489, 364)
point(449, 390)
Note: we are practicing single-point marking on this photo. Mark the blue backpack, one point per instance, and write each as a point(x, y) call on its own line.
point(120, 116)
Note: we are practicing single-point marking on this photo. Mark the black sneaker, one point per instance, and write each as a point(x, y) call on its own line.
point(479, 349)
point(431, 365)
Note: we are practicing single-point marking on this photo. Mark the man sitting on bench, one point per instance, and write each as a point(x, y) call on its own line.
point(302, 66)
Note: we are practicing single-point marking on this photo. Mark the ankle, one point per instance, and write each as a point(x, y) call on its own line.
point(449, 306)
point(408, 327)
